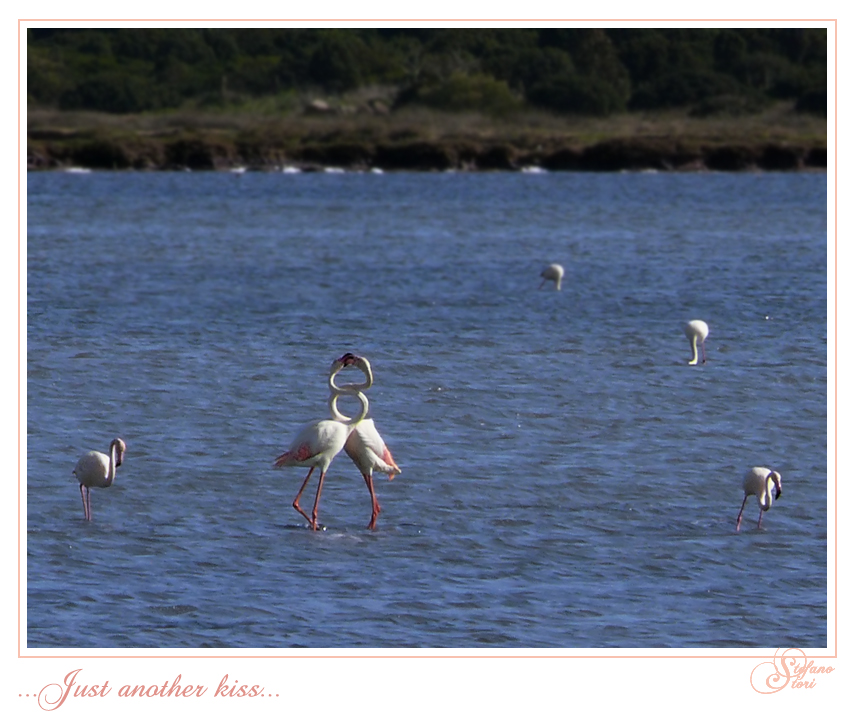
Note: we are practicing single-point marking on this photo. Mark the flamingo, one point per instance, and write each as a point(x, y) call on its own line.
point(553, 272)
point(368, 451)
point(761, 482)
point(97, 470)
point(364, 445)
point(697, 331)
point(319, 442)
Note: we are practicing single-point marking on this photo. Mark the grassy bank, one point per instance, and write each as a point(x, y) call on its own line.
point(777, 138)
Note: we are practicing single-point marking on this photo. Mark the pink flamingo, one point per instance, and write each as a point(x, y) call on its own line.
point(368, 451)
point(319, 442)
point(364, 445)
point(761, 482)
point(97, 470)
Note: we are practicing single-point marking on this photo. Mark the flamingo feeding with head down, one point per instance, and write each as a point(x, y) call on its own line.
point(97, 470)
point(364, 446)
point(553, 272)
point(697, 331)
point(319, 442)
point(762, 483)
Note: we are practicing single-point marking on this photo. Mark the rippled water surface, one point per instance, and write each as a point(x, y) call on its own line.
point(568, 481)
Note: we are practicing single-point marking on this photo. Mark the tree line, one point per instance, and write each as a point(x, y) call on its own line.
point(585, 71)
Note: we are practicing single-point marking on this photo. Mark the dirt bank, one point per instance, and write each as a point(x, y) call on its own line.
point(426, 142)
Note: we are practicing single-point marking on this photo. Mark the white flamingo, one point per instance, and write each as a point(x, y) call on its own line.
point(319, 442)
point(364, 445)
point(697, 331)
point(553, 272)
point(763, 483)
point(97, 470)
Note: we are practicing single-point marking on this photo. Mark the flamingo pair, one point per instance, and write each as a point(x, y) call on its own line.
point(317, 444)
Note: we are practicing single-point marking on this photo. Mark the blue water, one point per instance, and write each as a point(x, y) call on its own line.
point(568, 481)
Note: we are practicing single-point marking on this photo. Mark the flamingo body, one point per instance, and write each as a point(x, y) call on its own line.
point(315, 445)
point(553, 272)
point(97, 470)
point(368, 451)
point(763, 483)
point(697, 331)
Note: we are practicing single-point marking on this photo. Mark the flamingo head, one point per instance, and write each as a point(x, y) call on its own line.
point(353, 360)
point(119, 445)
point(775, 477)
point(346, 360)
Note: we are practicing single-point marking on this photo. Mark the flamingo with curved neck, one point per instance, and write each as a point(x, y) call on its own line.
point(552, 272)
point(97, 470)
point(697, 331)
point(763, 483)
point(364, 446)
point(319, 442)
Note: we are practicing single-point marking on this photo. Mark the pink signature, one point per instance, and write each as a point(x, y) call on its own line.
point(791, 668)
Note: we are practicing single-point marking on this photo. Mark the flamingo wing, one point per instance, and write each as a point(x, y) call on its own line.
point(315, 444)
point(93, 469)
point(368, 451)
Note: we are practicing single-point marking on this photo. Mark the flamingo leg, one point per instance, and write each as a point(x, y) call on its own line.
point(296, 502)
point(87, 507)
point(314, 520)
point(375, 505)
point(739, 517)
point(760, 519)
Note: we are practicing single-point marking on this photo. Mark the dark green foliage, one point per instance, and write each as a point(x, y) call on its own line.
point(332, 64)
point(576, 70)
point(683, 88)
point(462, 92)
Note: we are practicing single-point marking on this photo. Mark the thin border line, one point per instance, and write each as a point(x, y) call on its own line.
point(19, 340)
point(836, 558)
point(431, 20)
point(834, 21)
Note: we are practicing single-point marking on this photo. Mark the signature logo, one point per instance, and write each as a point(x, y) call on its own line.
point(790, 668)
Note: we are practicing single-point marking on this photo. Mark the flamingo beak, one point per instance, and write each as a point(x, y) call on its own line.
point(345, 361)
point(778, 491)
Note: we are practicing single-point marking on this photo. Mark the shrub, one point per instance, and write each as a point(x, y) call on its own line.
point(576, 94)
point(682, 88)
point(461, 92)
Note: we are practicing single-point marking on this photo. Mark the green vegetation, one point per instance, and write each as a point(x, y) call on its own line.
point(576, 70)
point(574, 99)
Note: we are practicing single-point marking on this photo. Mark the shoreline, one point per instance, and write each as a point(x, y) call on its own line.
point(776, 141)
point(423, 156)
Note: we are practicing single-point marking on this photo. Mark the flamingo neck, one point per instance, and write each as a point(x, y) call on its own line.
point(351, 422)
point(334, 411)
point(365, 367)
point(694, 341)
point(771, 484)
point(765, 496)
point(111, 468)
